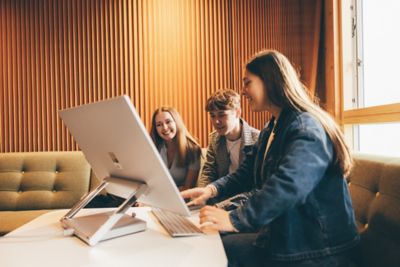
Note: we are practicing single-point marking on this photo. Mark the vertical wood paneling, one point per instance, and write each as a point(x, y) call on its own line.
point(283, 25)
point(56, 54)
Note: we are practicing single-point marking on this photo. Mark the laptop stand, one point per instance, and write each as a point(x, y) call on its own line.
point(102, 226)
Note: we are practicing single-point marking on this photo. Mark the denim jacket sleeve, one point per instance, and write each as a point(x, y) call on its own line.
point(239, 181)
point(307, 153)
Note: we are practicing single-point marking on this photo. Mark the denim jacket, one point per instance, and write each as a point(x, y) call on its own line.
point(299, 205)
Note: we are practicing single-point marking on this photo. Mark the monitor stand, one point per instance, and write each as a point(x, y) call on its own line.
point(102, 226)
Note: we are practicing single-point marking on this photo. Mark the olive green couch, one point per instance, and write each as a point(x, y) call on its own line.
point(35, 182)
point(374, 185)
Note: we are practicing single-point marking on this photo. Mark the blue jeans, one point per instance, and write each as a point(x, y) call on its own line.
point(241, 252)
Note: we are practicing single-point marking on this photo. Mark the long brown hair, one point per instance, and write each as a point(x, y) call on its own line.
point(187, 147)
point(285, 90)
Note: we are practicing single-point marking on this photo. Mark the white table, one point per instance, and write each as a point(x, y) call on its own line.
point(41, 242)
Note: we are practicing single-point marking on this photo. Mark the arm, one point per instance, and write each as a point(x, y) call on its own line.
point(241, 180)
point(306, 158)
point(230, 185)
point(190, 180)
point(209, 172)
point(192, 174)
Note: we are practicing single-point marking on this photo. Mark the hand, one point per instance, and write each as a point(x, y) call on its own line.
point(199, 195)
point(212, 218)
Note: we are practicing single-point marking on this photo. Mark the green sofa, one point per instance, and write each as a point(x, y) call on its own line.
point(374, 185)
point(35, 182)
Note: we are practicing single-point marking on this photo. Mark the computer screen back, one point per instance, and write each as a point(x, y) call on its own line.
point(115, 142)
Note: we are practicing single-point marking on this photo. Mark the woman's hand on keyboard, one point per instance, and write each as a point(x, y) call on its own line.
point(199, 195)
point(215, 219)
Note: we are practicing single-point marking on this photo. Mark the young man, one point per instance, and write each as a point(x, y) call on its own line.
point(230, 141)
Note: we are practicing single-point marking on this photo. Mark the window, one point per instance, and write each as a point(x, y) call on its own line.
point(378, 53)
point(379, 139)
point(371, 70)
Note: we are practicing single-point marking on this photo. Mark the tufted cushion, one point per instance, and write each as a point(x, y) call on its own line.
point(374, 185)
point(42, 180)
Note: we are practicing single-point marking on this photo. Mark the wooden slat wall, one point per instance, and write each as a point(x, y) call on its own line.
point(59, 54)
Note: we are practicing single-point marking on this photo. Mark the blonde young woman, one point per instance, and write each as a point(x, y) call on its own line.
point(299, 212)
point(179, 150)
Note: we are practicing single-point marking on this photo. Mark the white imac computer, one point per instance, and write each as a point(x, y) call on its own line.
point(121, 153)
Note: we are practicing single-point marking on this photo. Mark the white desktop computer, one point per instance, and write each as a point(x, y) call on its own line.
point(121, 153)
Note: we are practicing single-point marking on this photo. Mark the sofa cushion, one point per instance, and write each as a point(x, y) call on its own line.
point(374, 185)
point(42, 180)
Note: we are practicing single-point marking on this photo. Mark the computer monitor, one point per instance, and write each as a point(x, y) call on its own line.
point(115, 142)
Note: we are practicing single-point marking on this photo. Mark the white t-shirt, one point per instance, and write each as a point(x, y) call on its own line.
point(233, 148)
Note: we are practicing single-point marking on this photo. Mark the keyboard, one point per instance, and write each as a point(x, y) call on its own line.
point(176, 225)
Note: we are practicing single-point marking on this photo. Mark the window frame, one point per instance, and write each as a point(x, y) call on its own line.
point(354, 112)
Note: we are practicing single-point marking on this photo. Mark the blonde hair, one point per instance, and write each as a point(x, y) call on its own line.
point(224, 99)
point(187, 147)
point(285, 90)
